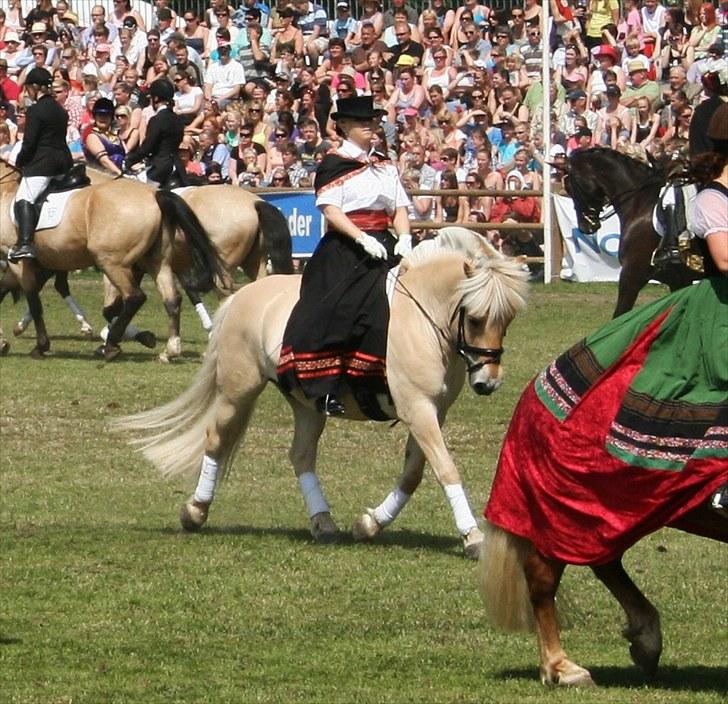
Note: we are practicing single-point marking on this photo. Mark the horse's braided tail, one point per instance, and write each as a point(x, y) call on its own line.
point(208, 270)
point(173, 436)
point(502, 580)
point(277, 237)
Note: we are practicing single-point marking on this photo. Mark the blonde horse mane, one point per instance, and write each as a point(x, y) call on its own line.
point(497, 289)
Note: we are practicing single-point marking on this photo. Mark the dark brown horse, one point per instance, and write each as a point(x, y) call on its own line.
point(602, 178)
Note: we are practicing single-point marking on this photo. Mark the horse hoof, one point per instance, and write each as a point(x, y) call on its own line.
point(19, 328)
point(646, 645)
point(4, 347)
point(37, 353)
point(87, 331)
point(110, 352)
point(193, 515)
point(163, 358)
point(174, 347)
point(147, 338)
point(324, 528)
point(568, 674)
point(472, 543)
point(366, 526)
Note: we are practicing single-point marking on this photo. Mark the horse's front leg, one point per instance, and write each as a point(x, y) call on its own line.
point(307, 430)
point(167, 288)
point(42, 343)
point(424, 424)
point(374, 520)
point(542, 577)
point(643, 622)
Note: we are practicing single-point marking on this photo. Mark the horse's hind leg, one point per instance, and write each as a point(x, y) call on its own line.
point(61, 285)
point(224, 433)
point(167, 288)
point(374, 520)
point(133, 299)
point(199, 306)
point(307, 430)
point(643, 622)
point(22, 325)
point(113, 305)
point(543, 576)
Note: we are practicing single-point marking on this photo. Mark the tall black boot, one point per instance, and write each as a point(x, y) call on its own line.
point(26, 217)
point(667, 252)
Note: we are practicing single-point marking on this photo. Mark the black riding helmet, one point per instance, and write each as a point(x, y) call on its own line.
point(39, 77)
point(162, 89)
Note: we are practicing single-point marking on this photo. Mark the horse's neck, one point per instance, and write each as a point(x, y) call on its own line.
point(433, 284)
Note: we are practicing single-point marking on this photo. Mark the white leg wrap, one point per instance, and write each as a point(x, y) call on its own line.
point(129, 334)
point(464, 519)
point(205, 491)
point(312, 494)
point(27, 319)
point(204, 316)
point(76, 309)
point(389, 509)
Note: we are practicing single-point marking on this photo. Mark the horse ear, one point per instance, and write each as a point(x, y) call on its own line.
point(469, 267)
point(521, 259)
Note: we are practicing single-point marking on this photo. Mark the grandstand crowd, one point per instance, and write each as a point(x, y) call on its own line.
point(460, 87)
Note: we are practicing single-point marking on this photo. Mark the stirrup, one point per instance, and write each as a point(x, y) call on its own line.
point(664, 257)
point(25, 251)
point(330, 405)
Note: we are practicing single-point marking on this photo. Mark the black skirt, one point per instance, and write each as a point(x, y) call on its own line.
point(336, 337)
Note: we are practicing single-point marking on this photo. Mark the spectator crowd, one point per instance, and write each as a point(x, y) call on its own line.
point(460, 87)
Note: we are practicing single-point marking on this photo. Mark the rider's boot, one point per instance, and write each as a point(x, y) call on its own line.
point(668, 252)
point(719, 500)
point(330, 405)
point(26, 217)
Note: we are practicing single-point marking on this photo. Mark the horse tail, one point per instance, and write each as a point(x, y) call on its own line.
point(208, 270)
point(277, 237)
point(502, 580)
point(179, 428)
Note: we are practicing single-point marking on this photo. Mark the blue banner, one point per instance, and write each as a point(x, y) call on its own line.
point(304, 219)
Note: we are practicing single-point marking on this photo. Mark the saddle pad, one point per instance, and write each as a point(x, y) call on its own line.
point(52, 211)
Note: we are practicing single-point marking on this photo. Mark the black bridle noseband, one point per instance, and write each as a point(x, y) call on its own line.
point(491, 355)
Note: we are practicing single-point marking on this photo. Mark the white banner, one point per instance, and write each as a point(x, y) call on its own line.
point(589, 257)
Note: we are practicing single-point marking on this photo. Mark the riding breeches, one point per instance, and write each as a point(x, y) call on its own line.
point(32, 186)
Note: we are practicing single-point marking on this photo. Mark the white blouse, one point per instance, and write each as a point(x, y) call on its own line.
point(708, 213)
point(374, 187)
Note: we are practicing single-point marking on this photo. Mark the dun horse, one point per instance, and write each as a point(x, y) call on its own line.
point(122, 227)
point(601, 177)
point(451, 306)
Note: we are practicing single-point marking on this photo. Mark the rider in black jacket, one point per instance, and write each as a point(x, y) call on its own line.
point(43, 157)
point(164, 135)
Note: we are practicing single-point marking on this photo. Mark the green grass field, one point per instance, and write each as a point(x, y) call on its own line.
point(104, 600)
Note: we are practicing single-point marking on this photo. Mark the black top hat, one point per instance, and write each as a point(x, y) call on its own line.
point(359, 108)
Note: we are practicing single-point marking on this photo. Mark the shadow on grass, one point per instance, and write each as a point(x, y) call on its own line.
point(692, 678)
point(398, 538)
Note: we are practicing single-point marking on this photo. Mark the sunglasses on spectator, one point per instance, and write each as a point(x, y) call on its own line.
point(221, 14)
point(439, 56)
point(445, 158)
point(254, 110)
point(401, 34)
point(120, 114)
point(476, 96)
point(516, 14)
point(534, 34)
point(66, 56)
point(434, 36)
point(245, 134)
point(279, 178)
point(471, 183)
point(190, 19)
point(281, 135)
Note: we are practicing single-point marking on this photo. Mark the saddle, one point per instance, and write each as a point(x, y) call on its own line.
point(51, 203)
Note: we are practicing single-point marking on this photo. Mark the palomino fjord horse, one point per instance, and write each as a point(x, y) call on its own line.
point(122, 227)
point(451, 306)
point(246, 231)
point(599, 178)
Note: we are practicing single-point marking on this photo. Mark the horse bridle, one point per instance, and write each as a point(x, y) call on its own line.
point(487, 355)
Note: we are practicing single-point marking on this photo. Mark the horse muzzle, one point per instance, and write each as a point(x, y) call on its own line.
point(482, 383)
